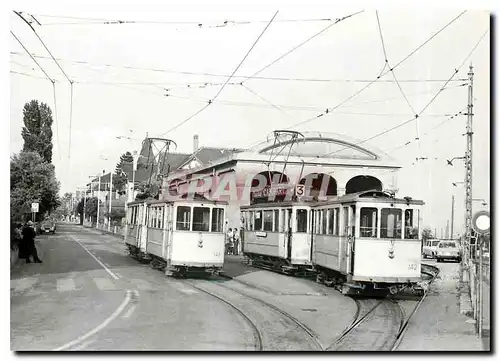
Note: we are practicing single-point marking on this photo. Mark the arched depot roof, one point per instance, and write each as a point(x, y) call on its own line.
point(323, 145)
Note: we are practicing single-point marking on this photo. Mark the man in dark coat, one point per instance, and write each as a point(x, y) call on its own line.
point(29, 235)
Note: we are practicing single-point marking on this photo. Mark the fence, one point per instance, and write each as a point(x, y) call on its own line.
point(475, 283)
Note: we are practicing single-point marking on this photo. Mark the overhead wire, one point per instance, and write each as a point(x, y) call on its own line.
point(54, 88)
point(69, 80)
point(381, 74)
point(456, 70)
point(301, 44)
point(82, 62)
point(220, 90)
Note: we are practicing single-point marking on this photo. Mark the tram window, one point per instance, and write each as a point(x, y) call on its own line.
point(183, 218)
point(336, 213)
point(323, 212)
point(250, 221)
point(317, 222)
point(217, 219)
point(268, 221)
point(411, 223)
point(160, 216)
point(390, 223)
point(258, 220)
point(368, 222)
point(301, 220)
point(276, 220)
point(282, 221)
point(201, 219)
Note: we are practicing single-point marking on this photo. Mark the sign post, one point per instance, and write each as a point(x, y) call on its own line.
point(34, 210)
point(481, 224)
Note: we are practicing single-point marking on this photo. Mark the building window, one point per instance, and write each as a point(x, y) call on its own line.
point(268, 221)
point(390, 223)
point(368, 222)
point(258, 220)
point(201, 219)
point(301, 220)
point(183, 218)
point(217, 219)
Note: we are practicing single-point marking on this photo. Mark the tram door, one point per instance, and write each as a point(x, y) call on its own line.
point(347, 217)
point(288, 232)
point(313, 229)
point(282, 232)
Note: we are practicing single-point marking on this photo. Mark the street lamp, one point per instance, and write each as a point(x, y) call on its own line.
point(450, 161)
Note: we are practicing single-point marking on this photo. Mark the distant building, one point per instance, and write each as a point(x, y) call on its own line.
point(340, 164)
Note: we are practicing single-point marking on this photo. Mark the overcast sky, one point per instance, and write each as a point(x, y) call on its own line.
point(109, 101)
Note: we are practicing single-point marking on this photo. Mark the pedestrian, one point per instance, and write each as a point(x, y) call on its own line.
point(236, 242)
point(229, 241)
point(16, 236)
point(29, 235)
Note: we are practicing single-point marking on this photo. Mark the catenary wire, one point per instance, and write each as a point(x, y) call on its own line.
point(239, 65)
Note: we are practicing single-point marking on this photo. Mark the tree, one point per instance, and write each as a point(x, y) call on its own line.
point(116, 215)
point(120, 177)
point(91, 208)
point(427, 234)
point(32, 180)
point(37, 130)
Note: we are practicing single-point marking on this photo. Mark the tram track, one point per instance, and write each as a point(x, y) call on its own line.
point(282, 333)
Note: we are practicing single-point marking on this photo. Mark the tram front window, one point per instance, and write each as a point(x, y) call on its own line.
point(301, 220)
point(217, 219)
point(183, 222)
point(201, 219)
point(391, 219)
point(368, 222)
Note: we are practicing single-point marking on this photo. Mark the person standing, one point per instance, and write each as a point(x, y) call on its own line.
point(236, 242)
point(29, 235)
point(229, 241)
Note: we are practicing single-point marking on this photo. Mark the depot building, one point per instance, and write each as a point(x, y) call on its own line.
point(321, 165)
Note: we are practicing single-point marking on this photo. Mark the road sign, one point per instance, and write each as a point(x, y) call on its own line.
point(34, 207)
point(481, 222)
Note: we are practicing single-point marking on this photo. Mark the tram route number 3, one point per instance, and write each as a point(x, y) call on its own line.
point(412, 267)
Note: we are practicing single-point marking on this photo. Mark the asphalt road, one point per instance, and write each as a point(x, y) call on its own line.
point(89, 295)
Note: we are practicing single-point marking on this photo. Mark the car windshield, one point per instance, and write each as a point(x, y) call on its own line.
point(435, 243)
point(448, 245)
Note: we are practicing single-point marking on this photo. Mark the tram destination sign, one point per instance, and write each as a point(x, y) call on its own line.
point(266, 192)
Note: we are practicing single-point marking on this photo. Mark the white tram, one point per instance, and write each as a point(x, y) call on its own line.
point(356, 241)
point(368, 240)
point(278, 235)
point(182, 236)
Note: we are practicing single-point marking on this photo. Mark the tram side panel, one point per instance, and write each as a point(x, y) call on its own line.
point(387, 260)
point(329, 252)
point(197, 249)
point(263, 243)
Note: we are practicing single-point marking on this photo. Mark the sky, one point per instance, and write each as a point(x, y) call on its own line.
point(112, 98)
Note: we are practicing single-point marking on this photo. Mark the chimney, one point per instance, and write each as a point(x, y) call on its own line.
point(195, 143)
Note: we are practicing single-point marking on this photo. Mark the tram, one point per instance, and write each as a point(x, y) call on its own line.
point(182, 236)
point(362, 241)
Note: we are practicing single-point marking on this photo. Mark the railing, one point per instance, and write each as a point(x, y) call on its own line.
point(476, 287)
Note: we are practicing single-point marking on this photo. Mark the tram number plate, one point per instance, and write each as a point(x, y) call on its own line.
point(216, 254)
point(412, 267)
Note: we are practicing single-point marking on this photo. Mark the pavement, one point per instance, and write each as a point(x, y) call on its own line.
point(438, 325)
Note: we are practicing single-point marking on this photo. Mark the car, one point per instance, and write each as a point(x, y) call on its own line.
point(448, 250)
point(429, 249)
point(48, 226)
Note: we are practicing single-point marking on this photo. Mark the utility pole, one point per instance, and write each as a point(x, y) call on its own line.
point(110, 199)
point(468, 170)
point(452, 214)
point(98, 200)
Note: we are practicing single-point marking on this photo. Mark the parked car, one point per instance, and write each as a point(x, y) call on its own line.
point(448, 250)
point(429, 250)
point(48, 226)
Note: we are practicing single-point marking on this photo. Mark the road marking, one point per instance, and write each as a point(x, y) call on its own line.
point(104, 284)
point(183, 289)
point(97, 260)
point(83, 345)
point(129, 312)
point(23, 284)
point(67, 284)
point(100, 327)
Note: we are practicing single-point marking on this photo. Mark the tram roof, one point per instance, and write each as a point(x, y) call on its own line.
point(184, 201)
